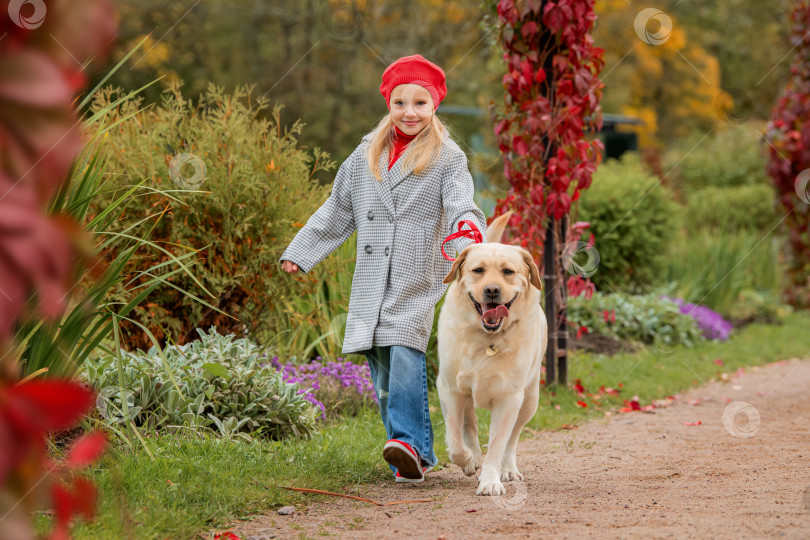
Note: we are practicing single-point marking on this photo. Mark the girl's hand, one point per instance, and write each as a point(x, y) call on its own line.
point(290, 267)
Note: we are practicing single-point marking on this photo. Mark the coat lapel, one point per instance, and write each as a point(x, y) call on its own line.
point(384, 188)
point(398, 173)
point(390, 179)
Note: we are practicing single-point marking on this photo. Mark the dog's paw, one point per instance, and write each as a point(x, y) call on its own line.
point(490, 487)
point(469, 469)
point(463, 458)
point(509, 475)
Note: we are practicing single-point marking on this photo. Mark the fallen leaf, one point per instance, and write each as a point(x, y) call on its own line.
point(699, 422)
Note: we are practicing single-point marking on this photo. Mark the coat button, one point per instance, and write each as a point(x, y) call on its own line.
point(368, 249)
point(370, 214)
point(386, 252)
point(390, 219)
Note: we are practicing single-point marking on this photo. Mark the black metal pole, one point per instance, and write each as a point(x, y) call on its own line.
point(549, 283)
point(562, 326)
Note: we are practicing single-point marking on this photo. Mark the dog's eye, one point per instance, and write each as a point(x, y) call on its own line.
point(507, 271)
point(478, 270)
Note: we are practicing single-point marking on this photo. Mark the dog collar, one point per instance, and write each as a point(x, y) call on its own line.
point(472, 232)
point(492, 350)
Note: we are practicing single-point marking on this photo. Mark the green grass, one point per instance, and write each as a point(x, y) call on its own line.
point(198, 484)
point(712, 267)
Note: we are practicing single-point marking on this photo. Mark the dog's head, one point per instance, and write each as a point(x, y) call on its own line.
point(492, 275)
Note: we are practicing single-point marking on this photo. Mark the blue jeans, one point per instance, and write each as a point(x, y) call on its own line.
point(400, 381)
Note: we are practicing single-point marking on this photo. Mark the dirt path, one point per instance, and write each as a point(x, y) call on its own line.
point(635, 475)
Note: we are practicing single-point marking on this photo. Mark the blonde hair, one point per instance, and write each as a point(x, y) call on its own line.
point(422, 151)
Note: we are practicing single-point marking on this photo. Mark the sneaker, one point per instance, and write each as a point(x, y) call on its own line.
point(401, 479)
point(405, 459)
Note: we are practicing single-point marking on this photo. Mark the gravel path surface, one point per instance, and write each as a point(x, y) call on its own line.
point(633, 475)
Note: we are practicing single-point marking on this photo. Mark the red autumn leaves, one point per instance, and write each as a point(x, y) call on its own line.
point(788, 133)
point(28, 412)
point(39, 140)
point(552, 100)
point(583, 394)
point(42, 50)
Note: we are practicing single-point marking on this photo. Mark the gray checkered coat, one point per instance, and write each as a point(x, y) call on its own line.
point(401, 223)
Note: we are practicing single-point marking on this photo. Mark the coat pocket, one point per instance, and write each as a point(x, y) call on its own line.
point(413, 250)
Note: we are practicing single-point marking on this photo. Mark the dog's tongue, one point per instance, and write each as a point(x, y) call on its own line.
point(496, 313)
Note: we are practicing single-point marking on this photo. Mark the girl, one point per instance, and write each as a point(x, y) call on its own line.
point(404, 189)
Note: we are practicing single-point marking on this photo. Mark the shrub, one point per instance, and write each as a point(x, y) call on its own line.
point(750, 206)
point(256, 190)
point(216, 382)
point(753, 306)
point(649, 319)
point(713, 268)
point(633, 218)
point(729, 158)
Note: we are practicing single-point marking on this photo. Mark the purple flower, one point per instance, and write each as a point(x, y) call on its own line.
point(711, 323)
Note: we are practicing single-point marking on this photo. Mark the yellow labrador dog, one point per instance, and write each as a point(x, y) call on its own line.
point(492, 337)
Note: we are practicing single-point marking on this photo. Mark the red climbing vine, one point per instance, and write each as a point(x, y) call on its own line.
point(789, 163)
point(552, 99)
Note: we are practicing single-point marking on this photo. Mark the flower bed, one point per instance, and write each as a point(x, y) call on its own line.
point(336, 388)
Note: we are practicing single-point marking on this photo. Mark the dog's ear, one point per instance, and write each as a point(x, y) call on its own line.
point(456, 266)
point(534, 273)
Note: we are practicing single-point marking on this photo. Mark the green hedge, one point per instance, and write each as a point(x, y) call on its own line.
point(633, 218)
point(750, 206)
point(728, 158)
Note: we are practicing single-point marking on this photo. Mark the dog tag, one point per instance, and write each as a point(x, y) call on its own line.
point(492, 350)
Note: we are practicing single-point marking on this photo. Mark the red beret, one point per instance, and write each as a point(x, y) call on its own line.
point(414, 69)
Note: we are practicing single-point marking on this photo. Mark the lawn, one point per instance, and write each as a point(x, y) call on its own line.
point(196, 484)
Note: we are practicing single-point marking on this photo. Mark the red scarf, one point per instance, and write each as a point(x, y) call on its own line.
point(401, 141)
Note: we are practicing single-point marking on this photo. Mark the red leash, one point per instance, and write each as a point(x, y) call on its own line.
point(472, 232)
